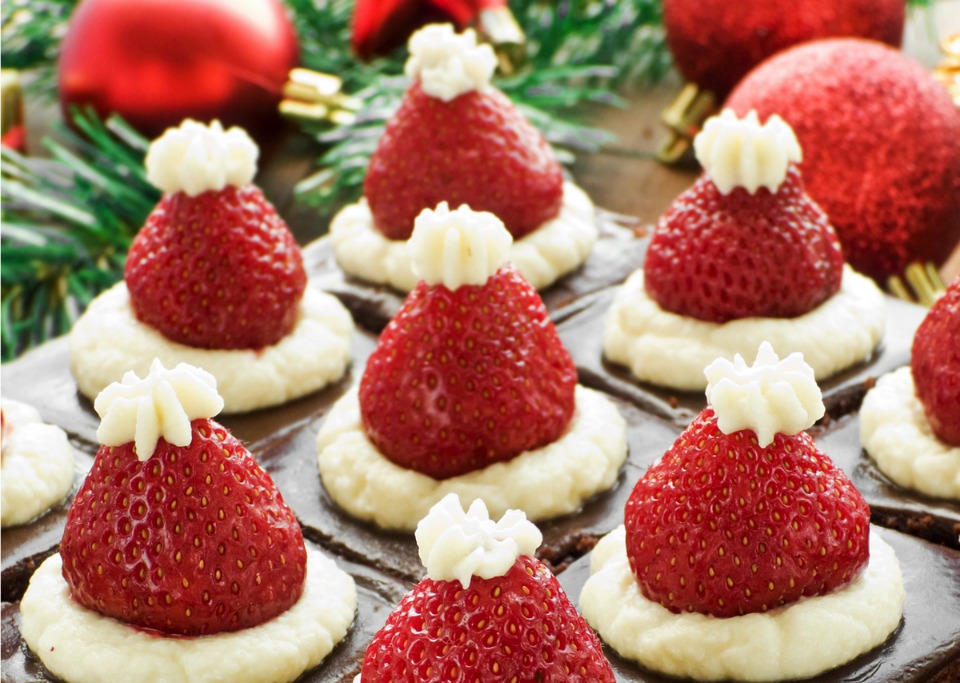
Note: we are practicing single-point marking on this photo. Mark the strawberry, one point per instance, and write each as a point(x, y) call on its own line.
point(719, 257)
point(465, 378)
point(722, 526)
point(519, 627)
point(219, 270)
point(935, 363)
point(476, 149)
point(195, 540)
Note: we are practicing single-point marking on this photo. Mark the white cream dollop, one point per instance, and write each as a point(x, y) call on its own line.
point(742, 153)
point(195, 158)
point(162, 404)
point(460, 247)
point(458, 545)
point(770, 397)
point(449, 64)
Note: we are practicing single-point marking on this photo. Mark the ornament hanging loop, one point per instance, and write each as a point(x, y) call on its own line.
point(948, 71)
point(317, 96)
point(683, 118)
point(500, 28)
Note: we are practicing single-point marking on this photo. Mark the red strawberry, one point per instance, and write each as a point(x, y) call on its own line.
point(720, 257)
point(724, 527)
point(193, 541)
point(520, 627)
point(462, 379)
point(476, 149)
point(935, 364)
point(218, 271)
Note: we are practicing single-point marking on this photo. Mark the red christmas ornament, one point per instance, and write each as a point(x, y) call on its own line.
point(156, 62)
point(881, 146)
point(716, 42)
point(381, 26)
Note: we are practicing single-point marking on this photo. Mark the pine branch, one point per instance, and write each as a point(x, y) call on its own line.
point(30, 38)
point(67, 223)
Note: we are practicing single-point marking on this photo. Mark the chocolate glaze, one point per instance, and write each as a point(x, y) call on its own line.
point(386, 564)
point(925, 647)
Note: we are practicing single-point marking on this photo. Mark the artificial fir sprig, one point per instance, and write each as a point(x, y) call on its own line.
point(31, 33)
point(67, 223)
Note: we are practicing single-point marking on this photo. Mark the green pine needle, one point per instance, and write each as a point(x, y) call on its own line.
point(67, 223)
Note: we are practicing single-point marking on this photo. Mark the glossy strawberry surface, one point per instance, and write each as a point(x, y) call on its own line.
point(721, 526)
point(719, 257)
point(193, 541)
point(517, 628)
point(462, 379)
point(935, 363)
point(476, 150)
point(217, 271)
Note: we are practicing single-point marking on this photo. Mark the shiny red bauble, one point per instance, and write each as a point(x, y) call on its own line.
point(381, 26)
point(716, 42)
point(156, 62)
point(881, 146)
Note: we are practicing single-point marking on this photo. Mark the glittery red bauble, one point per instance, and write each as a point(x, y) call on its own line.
point(716, 42)
point(881, 146)
point(156, 62)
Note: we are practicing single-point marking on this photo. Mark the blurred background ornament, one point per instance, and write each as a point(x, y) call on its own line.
point(948, 70)
point(715, 43)
point(382, 26)
point(881, 146)
point(156, 62)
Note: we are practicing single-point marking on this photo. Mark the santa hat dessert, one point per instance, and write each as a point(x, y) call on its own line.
point(746, 553)
point(910, 421)
point(457, 139)
point(215, 279)
point(180, 560)
point(487, 610)
point(469, 391)
point(743, 256)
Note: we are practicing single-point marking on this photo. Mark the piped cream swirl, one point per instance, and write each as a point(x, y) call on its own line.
point(194, 158)
point(770, 397)
point(742, 153)
point(162, 404)
point(460, 247)
point(449, 64)
point(458, 545)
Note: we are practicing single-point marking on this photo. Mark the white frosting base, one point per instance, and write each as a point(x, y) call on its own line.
point(798, 640)
point(81, 646)
point(895, 432)
point(542, 256)
point(36, 471)
point(108, 341)
point(672, 350)
point(547, 482)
